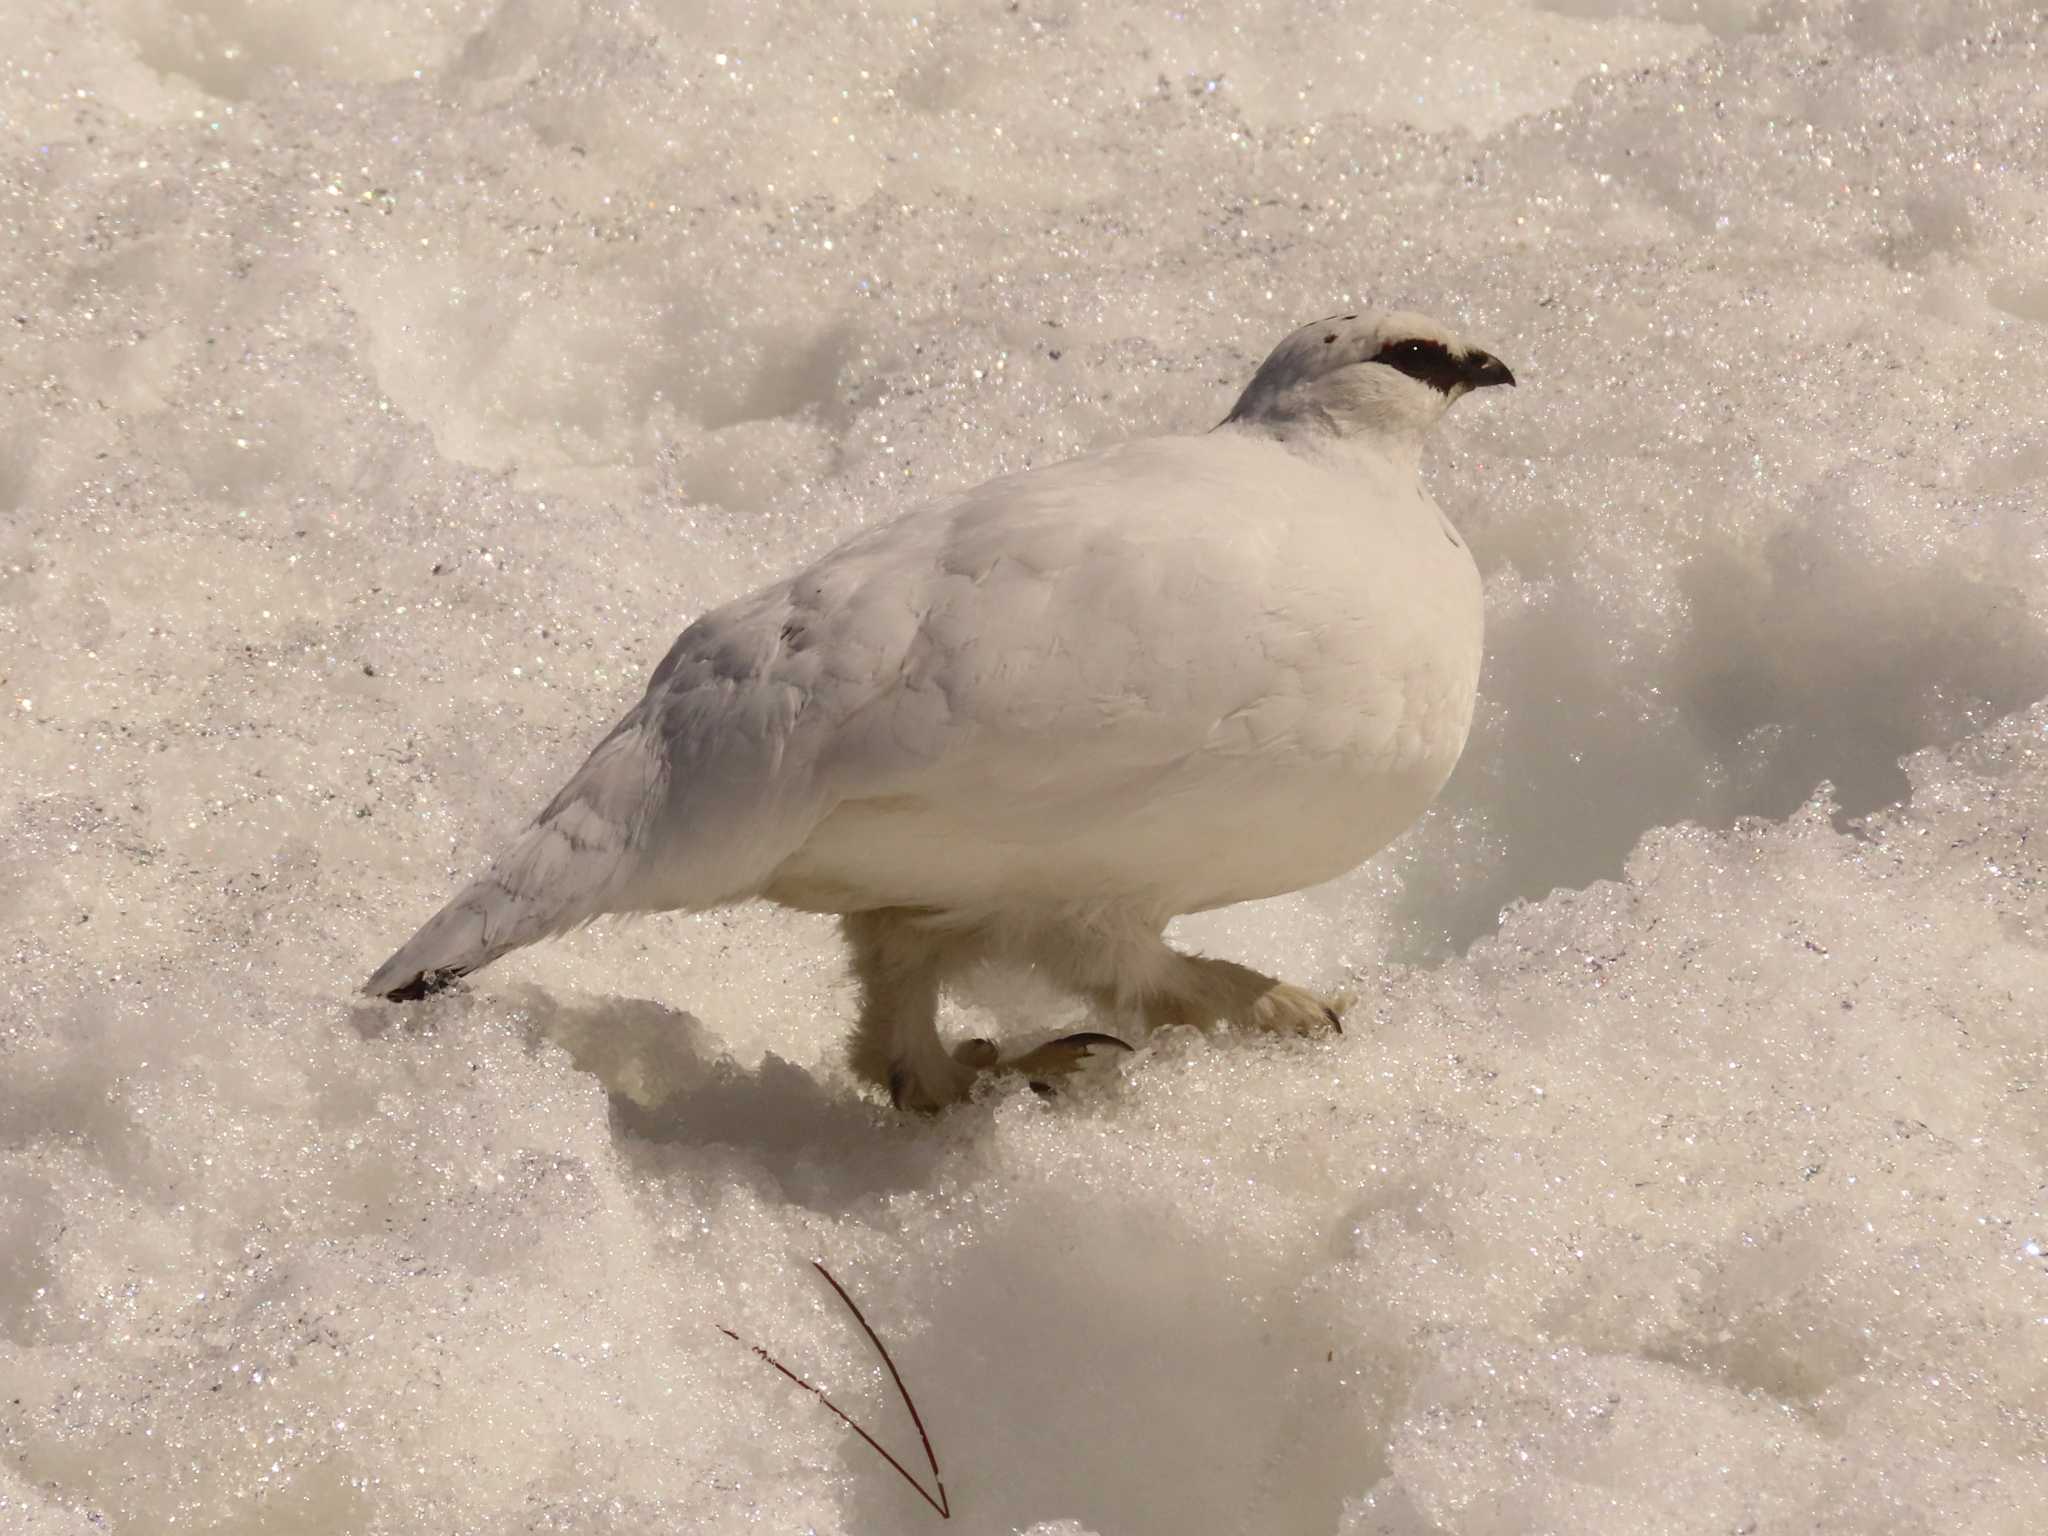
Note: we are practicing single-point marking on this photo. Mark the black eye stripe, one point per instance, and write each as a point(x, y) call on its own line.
point(1428, 361)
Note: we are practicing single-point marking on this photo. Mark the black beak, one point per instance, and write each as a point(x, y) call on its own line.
point(1481, 369)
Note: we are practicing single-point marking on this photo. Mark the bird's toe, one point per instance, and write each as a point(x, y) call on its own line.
point(927, 1088)
point(977, 1053)
point(1288, 1010)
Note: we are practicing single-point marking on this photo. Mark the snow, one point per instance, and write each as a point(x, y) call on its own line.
point(385, 385)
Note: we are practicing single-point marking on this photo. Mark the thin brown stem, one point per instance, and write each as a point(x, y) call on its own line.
point(941, 1503)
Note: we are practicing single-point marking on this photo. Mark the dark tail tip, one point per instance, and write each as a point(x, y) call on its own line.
point(423, 985)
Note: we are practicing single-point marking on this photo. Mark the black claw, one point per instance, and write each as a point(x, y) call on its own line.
point(899, 1085)
point(1336, 1019)
point(1094, 1041)
point(1044, 1090)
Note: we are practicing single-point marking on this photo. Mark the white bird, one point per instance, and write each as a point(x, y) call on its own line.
point(1040, 720)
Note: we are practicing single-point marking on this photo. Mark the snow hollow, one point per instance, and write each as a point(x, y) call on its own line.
point(385, 385)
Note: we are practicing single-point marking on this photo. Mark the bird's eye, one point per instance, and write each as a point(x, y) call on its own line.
point(1429, 362)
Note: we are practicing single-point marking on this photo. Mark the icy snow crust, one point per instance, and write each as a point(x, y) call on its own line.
point(386, 385)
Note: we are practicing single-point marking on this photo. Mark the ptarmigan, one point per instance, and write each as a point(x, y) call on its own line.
point(1039, 720)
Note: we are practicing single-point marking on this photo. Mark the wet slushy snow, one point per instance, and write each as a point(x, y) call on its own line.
point(386, 384)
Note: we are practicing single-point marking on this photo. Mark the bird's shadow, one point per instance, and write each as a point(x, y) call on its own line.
point(680, 1107)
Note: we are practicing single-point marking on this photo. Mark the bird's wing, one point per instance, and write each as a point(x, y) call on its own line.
point(1075, 634)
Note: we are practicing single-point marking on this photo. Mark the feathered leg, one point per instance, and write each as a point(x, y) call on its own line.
point(899, 963)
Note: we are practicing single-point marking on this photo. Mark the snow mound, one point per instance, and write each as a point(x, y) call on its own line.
point(386, 385)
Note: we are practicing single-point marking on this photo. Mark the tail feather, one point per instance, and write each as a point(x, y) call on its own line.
point(576, 862)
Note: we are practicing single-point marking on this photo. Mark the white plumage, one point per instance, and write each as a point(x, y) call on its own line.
point(1044, 718)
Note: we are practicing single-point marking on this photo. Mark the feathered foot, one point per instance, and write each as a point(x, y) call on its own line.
point(1204, 992)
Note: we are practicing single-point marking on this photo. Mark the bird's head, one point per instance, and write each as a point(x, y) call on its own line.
point(1387, 375)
